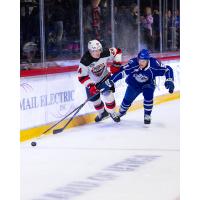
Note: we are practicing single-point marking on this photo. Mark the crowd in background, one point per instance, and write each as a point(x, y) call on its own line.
point(128, 21)
point(62, 27)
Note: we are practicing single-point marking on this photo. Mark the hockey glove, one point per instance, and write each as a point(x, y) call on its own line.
point(169, 84)
point(107, 85)
point(92, 89)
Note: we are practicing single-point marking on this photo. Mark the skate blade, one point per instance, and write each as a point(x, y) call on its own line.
point(146, 125)
point(105, 118)
point(102, 119)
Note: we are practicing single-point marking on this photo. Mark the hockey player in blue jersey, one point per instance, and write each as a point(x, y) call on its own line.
point(141, 72)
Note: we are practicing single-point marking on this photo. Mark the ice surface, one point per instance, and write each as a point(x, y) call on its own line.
point(107, 161)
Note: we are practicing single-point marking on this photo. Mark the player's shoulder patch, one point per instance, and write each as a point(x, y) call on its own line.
point(86, 59)
point(156, 63)
point(131, 63)
point(132, 60)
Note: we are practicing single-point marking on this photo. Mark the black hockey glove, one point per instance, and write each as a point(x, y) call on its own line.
point(169, 84)
point(107, 85)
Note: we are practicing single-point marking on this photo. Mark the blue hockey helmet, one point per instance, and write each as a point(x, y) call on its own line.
point(144, 54)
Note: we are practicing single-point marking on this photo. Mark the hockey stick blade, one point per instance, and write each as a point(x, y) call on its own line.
point(57, 130)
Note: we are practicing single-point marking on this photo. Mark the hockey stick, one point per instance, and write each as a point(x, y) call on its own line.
point(61, 129)
point(76, 109)
point(81, 106)
point(65, 116)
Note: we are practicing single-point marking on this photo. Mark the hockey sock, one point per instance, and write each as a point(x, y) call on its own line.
point(124, 107)
point(110, 106)
point(99, 106)
point(109, 101)
point(148, 105)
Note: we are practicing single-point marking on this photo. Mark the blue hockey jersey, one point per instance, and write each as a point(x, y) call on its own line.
point(139, 77)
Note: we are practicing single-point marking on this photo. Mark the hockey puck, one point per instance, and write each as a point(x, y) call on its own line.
point(33, 144)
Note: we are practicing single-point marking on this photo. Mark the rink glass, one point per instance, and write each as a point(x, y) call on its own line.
point(57, 30)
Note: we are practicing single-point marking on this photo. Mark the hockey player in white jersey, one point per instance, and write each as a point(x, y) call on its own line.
point(93, 72)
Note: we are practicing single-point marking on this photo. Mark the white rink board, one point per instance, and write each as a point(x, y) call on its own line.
point(49, 98)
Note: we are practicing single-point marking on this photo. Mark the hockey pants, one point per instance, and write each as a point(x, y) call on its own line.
point(132, 93)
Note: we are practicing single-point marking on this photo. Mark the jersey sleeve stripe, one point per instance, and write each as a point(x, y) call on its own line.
point(82, 79)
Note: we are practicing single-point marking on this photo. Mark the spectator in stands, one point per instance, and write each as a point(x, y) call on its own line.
point(134, 13)
point(58, 16)
point(92, 23)
point(169, 29)
point(146, 28)
point(33, 25)
point(177, 25)
point(156, 29)
point(23, 24)
point(29, 53)
point(96, 19)
point(124, 28)
point(72, 34)
point(106, 31)
point(135, 23)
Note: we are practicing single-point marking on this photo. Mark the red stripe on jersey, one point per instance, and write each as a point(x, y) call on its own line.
point(82, 79)
point(99, 106)
point(79, 70)
point(110, 105)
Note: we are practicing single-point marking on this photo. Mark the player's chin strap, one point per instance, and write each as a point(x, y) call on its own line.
point(75, 111)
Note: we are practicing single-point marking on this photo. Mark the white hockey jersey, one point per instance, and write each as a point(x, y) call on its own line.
point(93, 70)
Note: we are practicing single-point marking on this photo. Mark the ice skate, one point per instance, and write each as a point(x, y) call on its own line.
point(115, 117)
point(121, 113)
point(147, 119)
point(101, 116)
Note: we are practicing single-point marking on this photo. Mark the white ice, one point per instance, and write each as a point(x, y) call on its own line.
point(107, 161)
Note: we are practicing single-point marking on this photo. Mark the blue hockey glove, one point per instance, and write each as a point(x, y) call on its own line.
point(169, 84)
